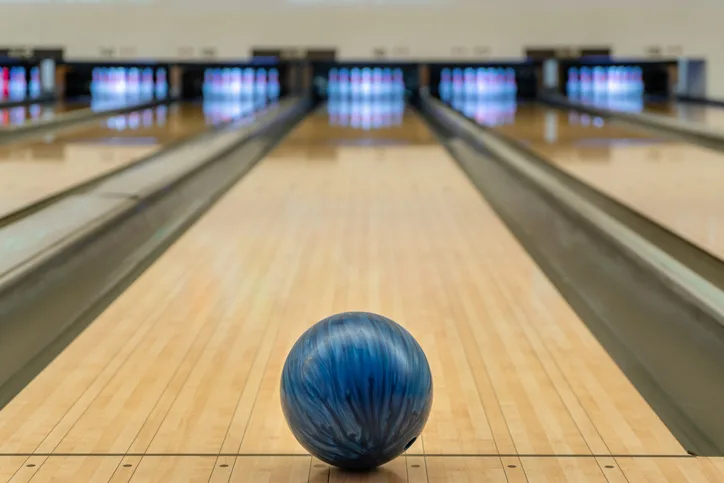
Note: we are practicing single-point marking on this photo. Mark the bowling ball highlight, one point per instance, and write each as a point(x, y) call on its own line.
point(356, 390)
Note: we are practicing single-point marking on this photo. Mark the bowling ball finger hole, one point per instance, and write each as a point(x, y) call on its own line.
point(224, 465)
point(412, 441)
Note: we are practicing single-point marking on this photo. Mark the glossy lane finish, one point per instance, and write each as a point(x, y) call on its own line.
point(676, 184)
point(35, 169)
point(19, 115)
point(186, 364)
point(708, 115)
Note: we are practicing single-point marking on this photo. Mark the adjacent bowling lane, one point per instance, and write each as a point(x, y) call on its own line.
point(34, 169)
point(18, 115)
point(186, 364)
point(676, 184)
point(707, 115)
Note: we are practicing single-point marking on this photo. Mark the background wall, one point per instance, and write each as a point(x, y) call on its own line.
point(412, 29)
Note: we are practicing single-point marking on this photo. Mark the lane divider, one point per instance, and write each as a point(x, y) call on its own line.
point(62, 266)
point(26, 241)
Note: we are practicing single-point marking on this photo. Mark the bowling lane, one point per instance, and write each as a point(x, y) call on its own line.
point(16, 116)
point(35, 169)
point(707, 115)
point(710, 116)
point(185, 364)
point(675, 184)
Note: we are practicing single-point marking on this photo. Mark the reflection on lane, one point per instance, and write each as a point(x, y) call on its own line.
point(632, 103)
point(35, 169)
point(366, 114)
point(19, 115)
point(675, 184)
point(487, 112)
point(708, 115)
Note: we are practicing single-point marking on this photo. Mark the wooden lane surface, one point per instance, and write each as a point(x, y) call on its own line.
point(252, 469)
point(33, 170)
point(708, 115)
point(178, 379)
point(678, 185)
point(16, 116)
point(538, 124)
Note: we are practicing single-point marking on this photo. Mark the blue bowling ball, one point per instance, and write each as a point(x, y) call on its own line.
point(356, 390)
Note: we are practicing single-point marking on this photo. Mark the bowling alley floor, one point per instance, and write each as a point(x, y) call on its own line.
point(178, 380)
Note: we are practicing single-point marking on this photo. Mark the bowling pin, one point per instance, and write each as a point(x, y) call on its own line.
point(95, 81)
point(235, 87)
point(4, 83)
point(248, 82)
point(599, 80)
point(134, 81)
point(366, 81)
point(225, 82)
point(377, 81)
point(480, 82)
point(489, 81)
point(261, 79)
point(14, 83)
point(274, 86)
point(23, 80)
point(511, 83)
point(161, 88)
point(399, 82)
point(236, 81)
point(207, 86)
point(573, 83)
point(355, 81)
point(585, 81)
point(34, 85)
point(499, 82)
point(457, 82)
point(147, 82)
point(612, 80)
point(120, 81)
point(387, 81)
point(469, 81)
point(638, 82)
point(445, 86)
point(344, 83)
point(333, 83)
